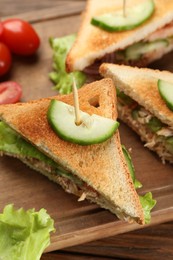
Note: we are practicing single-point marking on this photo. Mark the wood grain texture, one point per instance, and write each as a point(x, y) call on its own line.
point(78, 223)
point(34, 11)
point(150, 243)
point(155, 242)
point(132, 245)
point(41, 15)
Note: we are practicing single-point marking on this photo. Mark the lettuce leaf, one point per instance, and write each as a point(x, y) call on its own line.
point(146, 201)
point(63, 80)
point(24, 234)
point(11, 142)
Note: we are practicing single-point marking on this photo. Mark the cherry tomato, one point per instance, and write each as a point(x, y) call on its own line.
point(5, 59)
point(20, 36)
point(10, 92)
point(1, 29)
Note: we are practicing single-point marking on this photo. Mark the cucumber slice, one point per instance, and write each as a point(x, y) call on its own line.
point(169, 144)
point(127, 100)
point(135, 51)
point(131, 168)
point(129, 162)
point(166, 92)
point(154, 124)
point(135, 16)
point(93, 129)
point(135, 114)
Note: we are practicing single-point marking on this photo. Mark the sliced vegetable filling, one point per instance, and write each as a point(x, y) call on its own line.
point(159, 134)
point(11, 143)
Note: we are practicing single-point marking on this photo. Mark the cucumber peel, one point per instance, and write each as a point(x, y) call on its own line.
point(166, 91)
point(93, 129)
point(135, 16)
point(154, 124)
point(135, 51)
point(131, 168)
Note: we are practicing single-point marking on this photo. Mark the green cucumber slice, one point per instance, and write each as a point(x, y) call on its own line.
point(131, 168)
point(166, 91)
point(169, 144)
point(93, 129)
point(154, 124)
point(135, 51)
point(134, 17)
point(135, 114)
point(127, 100)
point(129, 162)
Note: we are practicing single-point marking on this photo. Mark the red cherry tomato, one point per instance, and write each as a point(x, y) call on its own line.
point(10, 92)
point(20, 36)
point(5, 59)
point(1, 29)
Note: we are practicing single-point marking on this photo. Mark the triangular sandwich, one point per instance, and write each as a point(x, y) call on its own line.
point(138, 46)
point(97, 172)
point(142, 107)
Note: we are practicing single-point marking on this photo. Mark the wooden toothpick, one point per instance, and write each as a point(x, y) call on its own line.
point(76, 103)
point(124, 8)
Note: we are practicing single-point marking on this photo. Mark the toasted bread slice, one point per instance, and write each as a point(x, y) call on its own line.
point(141, 85)
point(102, 166)
point(93, 43)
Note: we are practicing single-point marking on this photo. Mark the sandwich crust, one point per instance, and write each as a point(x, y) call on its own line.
point(93, 43)
point(101, 166)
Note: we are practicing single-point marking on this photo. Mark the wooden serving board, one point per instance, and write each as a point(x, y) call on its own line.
point(75, 222)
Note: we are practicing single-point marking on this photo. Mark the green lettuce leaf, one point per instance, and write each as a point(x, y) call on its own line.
point(13, 143)
point(24, 234)
point(63, 80)
point(147, 203)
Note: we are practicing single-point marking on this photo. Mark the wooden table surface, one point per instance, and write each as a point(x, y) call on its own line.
point(154, 242)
